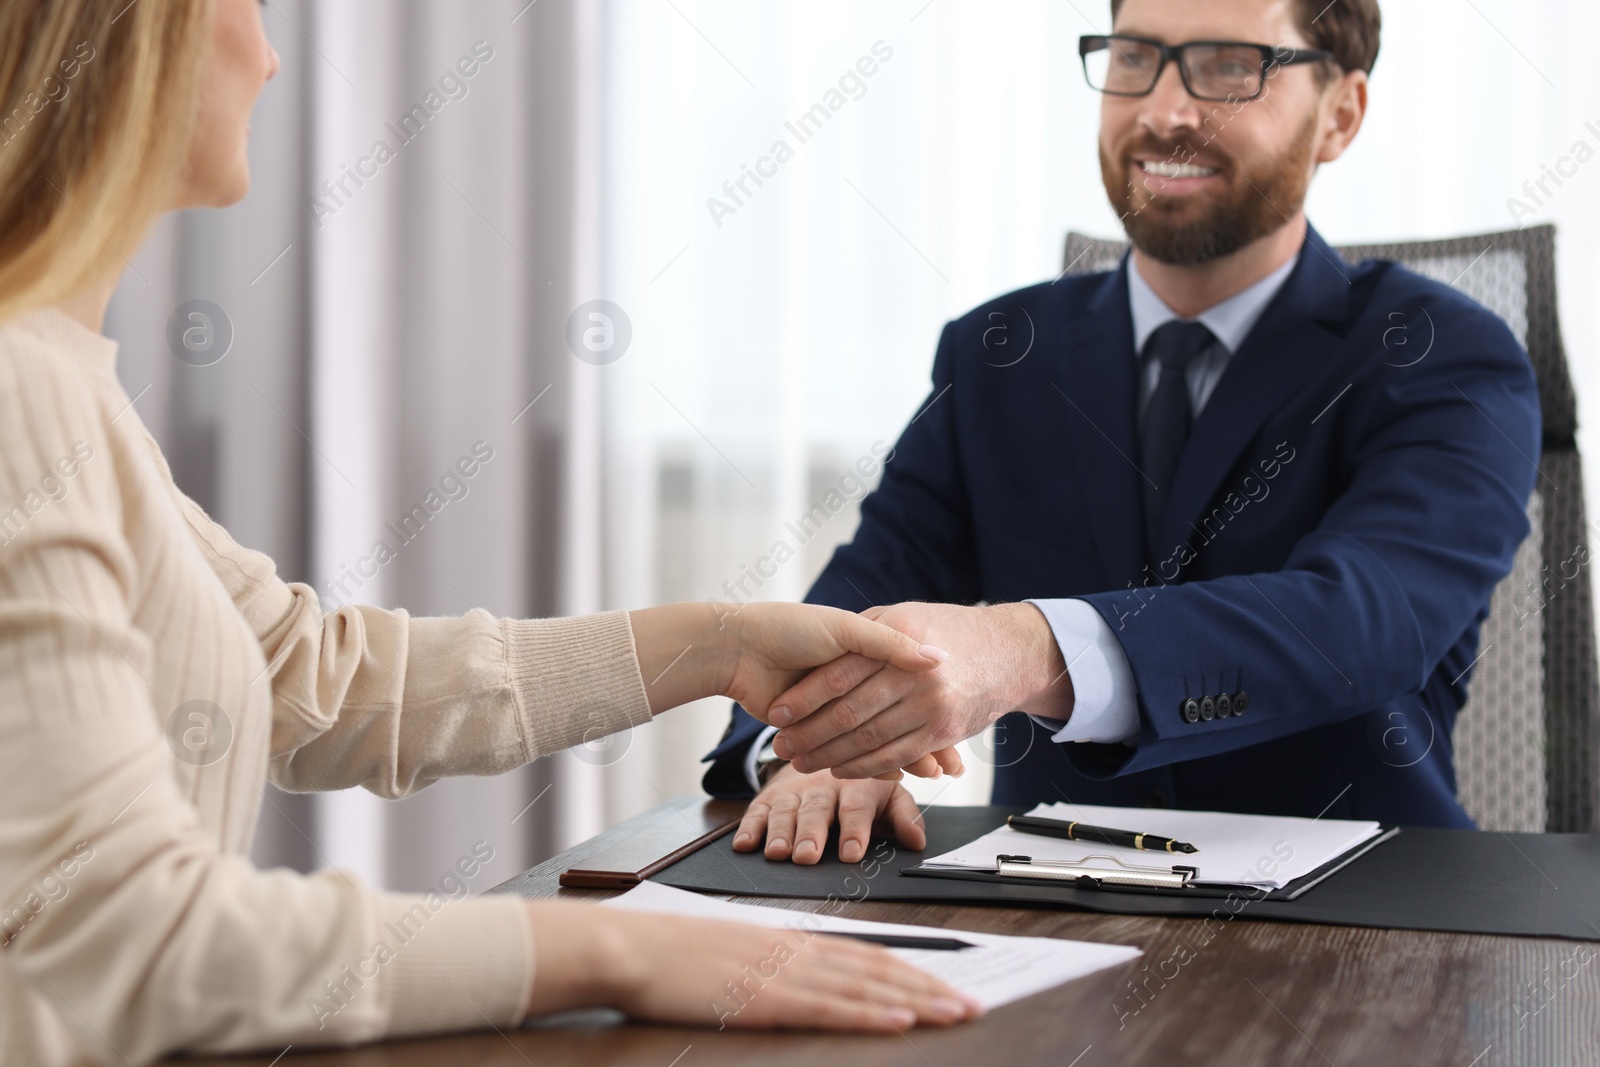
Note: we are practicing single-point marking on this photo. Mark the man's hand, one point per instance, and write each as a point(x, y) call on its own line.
point(862, 718)
point(795, 811)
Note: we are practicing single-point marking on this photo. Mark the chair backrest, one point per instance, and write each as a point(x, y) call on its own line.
point(1527, 743)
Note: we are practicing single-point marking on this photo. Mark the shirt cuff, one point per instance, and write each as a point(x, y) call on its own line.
point(753, 753)
point(1105, 700)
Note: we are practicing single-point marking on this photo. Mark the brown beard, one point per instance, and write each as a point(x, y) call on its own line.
point(1253, 206)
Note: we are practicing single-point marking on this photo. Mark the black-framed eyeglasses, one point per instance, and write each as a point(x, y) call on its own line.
point(1123, 65)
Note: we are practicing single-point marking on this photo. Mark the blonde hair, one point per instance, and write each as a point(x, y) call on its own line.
point(97, 110)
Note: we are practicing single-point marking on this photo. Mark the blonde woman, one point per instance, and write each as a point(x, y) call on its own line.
point(133, 924)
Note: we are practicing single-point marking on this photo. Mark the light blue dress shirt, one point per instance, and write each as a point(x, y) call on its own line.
point(1105, 705)
point(1105, 700)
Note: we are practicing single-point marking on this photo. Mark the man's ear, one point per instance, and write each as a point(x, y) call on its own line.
point(1345, 109)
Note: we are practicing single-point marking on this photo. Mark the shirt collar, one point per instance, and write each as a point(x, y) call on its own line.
point(1231, 321)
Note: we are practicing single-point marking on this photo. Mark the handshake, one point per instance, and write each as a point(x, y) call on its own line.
point(862, 718)
point(857, 700)
point(866, 718)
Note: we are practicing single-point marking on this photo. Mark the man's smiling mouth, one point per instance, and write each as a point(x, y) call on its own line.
point(1172, 171)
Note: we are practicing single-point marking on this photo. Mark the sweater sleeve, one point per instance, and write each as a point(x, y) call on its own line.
point(121, 912)
point(376, 698)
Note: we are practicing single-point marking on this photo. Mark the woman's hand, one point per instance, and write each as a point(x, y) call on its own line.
point(934, 764)
point(863, 719)
point(712, 973)
point(756, 651)
point(780, 640)
point(778, 645)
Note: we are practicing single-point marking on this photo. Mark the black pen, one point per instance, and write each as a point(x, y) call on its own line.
point(1078, 831)
point(903, 940)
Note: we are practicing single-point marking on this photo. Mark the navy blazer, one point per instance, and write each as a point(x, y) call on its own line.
point(1348, 498)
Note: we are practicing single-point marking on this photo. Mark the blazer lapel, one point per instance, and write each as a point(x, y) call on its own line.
point(1097, 387)
point(1300, 327)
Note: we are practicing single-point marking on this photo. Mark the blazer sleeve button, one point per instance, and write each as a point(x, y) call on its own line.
point(1241, 701)
point(1191, 710)
point(1208, 708)
point(1224, 706)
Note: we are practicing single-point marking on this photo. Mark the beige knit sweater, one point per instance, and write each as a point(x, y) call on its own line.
point(133, 922)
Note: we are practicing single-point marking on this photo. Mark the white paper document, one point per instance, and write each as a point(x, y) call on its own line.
point(996, 970)
point(1266, 851)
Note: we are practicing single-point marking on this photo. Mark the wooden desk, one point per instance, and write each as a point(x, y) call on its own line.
point(1259, 993)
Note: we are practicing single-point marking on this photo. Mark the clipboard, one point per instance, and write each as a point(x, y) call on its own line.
point(1165, 880)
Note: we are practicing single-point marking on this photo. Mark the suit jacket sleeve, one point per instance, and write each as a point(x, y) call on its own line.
point(915, 542)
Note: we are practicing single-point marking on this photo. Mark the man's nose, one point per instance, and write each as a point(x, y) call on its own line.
point(1169, 106)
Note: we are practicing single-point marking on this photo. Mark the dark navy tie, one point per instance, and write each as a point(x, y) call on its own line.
point(1167, 418)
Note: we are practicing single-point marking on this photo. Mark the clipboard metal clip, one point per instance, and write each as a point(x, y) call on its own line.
point(1087, 877)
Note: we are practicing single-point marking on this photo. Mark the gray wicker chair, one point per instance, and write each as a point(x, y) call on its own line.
point(1527, 745)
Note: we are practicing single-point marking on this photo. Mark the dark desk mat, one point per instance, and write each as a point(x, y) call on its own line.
point(1459, 881)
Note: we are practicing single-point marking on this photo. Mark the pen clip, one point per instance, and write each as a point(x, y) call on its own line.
point(1177, 877)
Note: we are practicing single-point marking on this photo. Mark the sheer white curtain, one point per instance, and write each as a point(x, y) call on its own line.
point(784, 327)
point(798, 197)
point(395, 310)
point(440, 291)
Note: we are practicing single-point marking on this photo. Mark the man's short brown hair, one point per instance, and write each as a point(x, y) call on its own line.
point(1348, 28)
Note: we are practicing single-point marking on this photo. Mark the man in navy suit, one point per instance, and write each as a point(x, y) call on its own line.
point(1214, 530)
